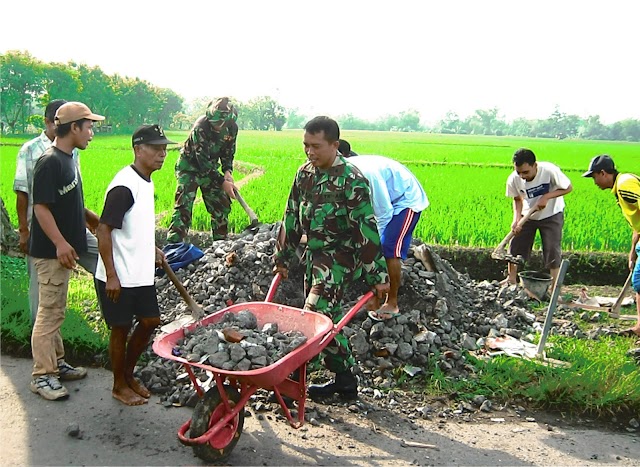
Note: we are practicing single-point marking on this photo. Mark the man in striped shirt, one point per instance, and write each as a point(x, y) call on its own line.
point(626, 189)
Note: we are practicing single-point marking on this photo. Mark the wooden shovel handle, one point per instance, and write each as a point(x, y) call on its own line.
point(196, 310)
point(510, 235)
point(615, 309)
point(252, 215)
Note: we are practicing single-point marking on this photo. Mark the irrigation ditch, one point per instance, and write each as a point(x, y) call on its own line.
point(586, 267)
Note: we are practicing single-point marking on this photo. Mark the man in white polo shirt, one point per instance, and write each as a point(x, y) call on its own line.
point(128, 256)
point(540, 186)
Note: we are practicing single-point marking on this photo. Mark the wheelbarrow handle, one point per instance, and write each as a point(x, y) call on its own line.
point(273, 287)
point(345, 320)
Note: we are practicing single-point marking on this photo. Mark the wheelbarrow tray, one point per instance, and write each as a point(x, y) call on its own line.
point(313, 325)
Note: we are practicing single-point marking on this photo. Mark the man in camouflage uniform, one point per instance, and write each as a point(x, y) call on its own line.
point(210, 147)
point(330, 203)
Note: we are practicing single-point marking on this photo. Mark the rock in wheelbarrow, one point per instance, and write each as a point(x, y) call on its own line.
point(232, 335)
point(241, 345)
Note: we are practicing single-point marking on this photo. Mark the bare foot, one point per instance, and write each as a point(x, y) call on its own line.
point(128, 397)
point(373, 303)
point(138, 387)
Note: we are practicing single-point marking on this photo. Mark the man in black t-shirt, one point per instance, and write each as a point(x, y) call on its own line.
point(57, 238)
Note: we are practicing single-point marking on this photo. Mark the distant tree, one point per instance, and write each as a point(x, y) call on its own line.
point(21, 83)
point(521, 127)
point(181, 121)
point(485, 120)
point(264, 113)
point(350, 122)
point(60, 82)
point(294, 119)
point(625, 130)
point(170, 104)
point(593, 128)
point(410, 120)
point(387, 123)
point(450, 123)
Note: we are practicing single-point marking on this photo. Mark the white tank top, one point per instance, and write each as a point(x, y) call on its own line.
point(134, 244)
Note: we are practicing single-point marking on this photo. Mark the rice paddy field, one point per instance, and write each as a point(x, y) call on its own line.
point(464, 177)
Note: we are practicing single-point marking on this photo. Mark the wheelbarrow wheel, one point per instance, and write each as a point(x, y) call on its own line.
point(207, 412)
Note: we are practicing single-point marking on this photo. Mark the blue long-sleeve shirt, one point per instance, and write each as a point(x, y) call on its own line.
point(393, 187)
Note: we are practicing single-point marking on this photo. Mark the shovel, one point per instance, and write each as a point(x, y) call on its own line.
point(252, 215)
point(196, 311)
point(615, 309)
point(500, 251)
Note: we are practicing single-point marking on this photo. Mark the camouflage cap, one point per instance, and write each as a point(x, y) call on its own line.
point(221, 110)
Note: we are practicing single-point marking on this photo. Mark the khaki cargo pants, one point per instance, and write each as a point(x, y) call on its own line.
point(46, 339)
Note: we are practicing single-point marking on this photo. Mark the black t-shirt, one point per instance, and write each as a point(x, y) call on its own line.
point(57, 183)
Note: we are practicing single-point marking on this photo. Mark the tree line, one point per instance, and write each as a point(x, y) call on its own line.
point(558, 125)
point(28, 84)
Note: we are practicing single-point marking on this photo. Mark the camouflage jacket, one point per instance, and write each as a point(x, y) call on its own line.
point(206, 151)
point(333, 208)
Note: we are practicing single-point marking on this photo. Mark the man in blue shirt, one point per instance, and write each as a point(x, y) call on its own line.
point(398, 199)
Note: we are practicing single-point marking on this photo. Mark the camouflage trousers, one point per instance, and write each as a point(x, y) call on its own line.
point(324, 286)
point(216, 201)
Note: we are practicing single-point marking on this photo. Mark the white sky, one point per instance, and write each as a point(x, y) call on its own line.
point(368, 58)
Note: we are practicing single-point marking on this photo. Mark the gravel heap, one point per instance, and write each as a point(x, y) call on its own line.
point(236, 344)
point(444, 313)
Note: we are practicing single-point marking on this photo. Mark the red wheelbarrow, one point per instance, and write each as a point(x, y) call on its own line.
point(216, 424)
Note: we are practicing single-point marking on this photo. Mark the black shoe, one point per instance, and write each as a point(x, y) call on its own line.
point(345, 385)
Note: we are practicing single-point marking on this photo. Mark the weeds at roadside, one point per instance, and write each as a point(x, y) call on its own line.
point(601, 379)
point(84, 335)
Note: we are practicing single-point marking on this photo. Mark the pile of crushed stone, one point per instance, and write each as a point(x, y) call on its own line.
point(445, 314)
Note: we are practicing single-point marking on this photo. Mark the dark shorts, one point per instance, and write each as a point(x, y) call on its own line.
point(396, 237)
point(140, 302)
point(550, 234)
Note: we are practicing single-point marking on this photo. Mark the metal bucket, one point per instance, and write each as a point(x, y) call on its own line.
point(537, 283)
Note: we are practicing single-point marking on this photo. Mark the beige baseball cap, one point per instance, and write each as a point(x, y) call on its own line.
point(74, 111)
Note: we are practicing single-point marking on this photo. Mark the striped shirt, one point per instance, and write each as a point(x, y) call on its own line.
point(626, 188)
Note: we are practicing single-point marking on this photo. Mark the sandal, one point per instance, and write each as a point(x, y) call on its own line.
point(377, 315)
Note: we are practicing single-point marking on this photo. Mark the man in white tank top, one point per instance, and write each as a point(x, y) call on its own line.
point(128, 256)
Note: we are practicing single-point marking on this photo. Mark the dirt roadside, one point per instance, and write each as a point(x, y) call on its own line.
point(34, 432)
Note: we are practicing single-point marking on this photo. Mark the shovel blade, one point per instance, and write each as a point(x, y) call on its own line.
point(181, 322)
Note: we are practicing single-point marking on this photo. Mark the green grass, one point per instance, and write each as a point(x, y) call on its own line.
point(601, 379)
point(81, 332)
point(464, 177)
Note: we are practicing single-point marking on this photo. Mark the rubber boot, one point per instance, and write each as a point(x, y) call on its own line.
point(345, 384)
